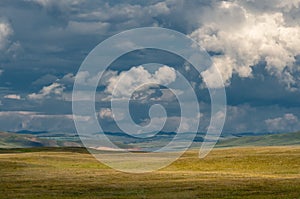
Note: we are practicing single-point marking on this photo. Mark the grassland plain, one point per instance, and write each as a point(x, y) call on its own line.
point(249, 172)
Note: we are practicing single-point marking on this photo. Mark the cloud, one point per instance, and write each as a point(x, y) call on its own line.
point(150, 93)
point(289, 4)
point(46, 79)
point(20, 120)
point(276, 5)
point(9, 48)
point(5, 32)
point(55, 89)
point(238, 33)
point(13, 96)
point(1, 72)
point(56, 3)
point(124, 84)
point(87, 27)
point(161, 8)
point(246, 118)
point(241, 38)
point(84, 78)
point(106, 113)
point(288, 122)
point(41, 2)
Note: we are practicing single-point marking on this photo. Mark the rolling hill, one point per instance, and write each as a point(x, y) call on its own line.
point(15, 140)
point(45, 139)
point(282, 139)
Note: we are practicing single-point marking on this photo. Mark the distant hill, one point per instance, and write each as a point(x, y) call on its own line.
point(282, 139)
point(15, 140)
point(31, 132)
point(26, 139)
point(42, 134)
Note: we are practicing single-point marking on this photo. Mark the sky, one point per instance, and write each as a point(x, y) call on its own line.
point(255, 44)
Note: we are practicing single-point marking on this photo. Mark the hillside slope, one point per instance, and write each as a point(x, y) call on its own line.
point(283, 139)
point(14, 140)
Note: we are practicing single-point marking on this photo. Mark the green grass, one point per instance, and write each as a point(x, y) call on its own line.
point(254, 172)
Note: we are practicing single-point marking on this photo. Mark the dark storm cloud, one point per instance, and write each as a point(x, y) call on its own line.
point(262, 89)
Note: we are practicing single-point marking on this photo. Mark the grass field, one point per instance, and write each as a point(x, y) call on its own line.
point(254, 172)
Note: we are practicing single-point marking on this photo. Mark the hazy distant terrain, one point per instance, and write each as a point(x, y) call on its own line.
point(26, 139)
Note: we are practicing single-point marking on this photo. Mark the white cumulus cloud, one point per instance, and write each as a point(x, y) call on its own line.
point(242, 38)
point(5, 32)
point(13, 96)
point(288, 122)
point(106, 113)
point(124, 84)
point(54, 89)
